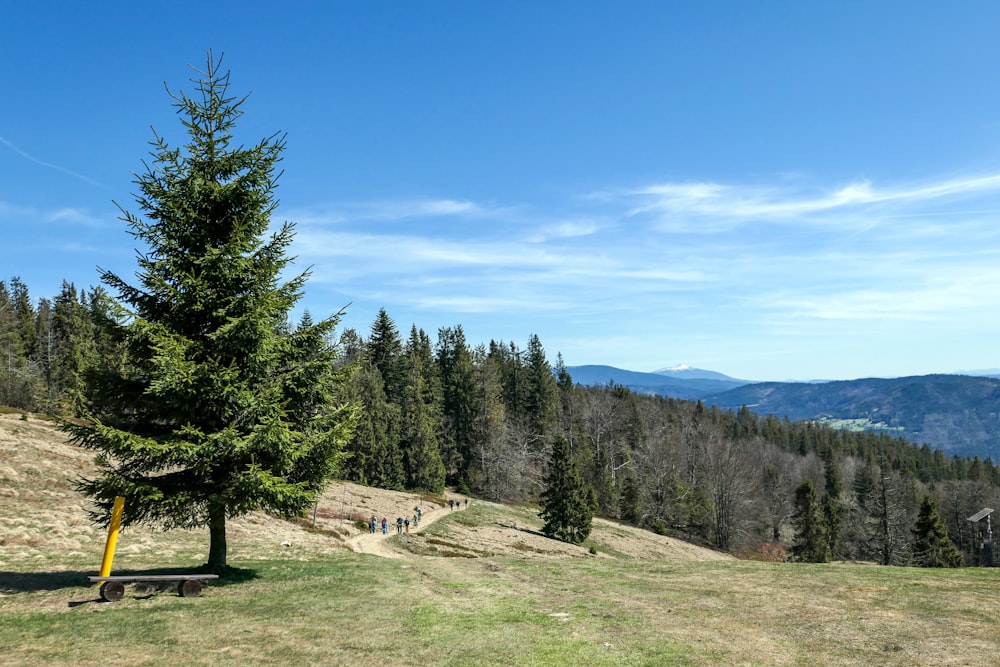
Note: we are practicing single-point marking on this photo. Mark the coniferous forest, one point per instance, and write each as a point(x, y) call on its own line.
point(483, 417)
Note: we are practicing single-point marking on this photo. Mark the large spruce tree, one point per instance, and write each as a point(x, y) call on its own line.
point(221, 409)
point(568, 502)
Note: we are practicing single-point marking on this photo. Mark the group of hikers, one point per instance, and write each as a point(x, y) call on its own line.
point(404, 523)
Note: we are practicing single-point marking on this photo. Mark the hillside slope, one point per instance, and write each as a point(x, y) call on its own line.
point(43, 518)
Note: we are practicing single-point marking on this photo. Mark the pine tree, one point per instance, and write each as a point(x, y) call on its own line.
point(419, 443)
point(811, 543)
point(931, 545)
point(542, 395)
point(373, 452)
point(832, 504)
point(563, 379)
point(18, 375)
point(24, 314)
point(568, 503)
point(460, 404)
point(74, 349)
point(385, 351)
point(220, 410)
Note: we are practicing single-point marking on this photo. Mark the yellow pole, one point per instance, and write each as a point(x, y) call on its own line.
point(113, 527)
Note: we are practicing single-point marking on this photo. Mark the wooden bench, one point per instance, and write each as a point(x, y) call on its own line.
point(113, 586)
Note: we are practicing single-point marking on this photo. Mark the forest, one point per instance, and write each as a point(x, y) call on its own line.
point(482, 418)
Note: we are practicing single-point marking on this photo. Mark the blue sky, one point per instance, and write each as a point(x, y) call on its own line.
point(772, 190)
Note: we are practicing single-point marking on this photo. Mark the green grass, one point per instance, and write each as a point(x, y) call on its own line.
point(363, 610)
point(452, 602)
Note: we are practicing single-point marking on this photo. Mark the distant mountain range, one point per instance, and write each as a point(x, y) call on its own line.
point(958, 414)
point(679, 382)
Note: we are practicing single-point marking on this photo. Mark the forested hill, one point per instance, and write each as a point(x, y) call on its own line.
point(482, 419)
point(957, 414)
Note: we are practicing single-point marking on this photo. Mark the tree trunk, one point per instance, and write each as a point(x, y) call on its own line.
point(217, 543)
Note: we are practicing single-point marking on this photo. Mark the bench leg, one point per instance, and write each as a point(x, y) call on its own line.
point(112, 591)
point(190, 588)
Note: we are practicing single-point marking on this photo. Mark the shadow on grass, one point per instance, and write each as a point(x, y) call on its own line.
point(524, 529)
point(28, 582)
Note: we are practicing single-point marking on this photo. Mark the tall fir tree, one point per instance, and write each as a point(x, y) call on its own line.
point(460, 405)
point(385, 351)
point(542, 395)
point(18, 373)
point(373, 455)
point(419, 443)
point(75, 349)
point(220, 410)
point(568, 502)
point(832, 503)
point(931, 545)
point(811, 545)
point(24, 314)
point(420, 408)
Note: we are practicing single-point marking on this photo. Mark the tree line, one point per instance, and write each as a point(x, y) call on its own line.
point(484, 418)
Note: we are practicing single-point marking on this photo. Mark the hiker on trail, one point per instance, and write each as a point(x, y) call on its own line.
point(416, 520)
point(399, 525)
point(420, 514)
point(385, 525)
point(466, 503)
point(373, 523)
point(406, 523)
point(451, 504)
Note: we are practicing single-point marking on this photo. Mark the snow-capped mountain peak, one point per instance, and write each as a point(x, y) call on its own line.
point(675, 369)
point(690, 373)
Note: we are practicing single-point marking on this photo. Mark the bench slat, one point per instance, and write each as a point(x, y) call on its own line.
point(152, 577)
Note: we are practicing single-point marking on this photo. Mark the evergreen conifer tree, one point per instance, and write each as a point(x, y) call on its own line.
point(931, 545)
point(811, 544)
point(542, 395)
point(373, 452)
point(385, 352)
point(832, 504)
point(75, 350)
point(460, 404)
point(568, 503)
point(420, 444)
point(221, 409)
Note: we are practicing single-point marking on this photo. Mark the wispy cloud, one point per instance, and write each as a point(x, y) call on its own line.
point(50, 165)
point(388, 211)
point(714, 207)
point(565, 229)
point(75, 216)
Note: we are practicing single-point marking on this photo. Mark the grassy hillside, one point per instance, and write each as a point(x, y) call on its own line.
point(478, 587)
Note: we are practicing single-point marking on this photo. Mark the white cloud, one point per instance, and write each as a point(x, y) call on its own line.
point(714, 207)
point(446, 207)
point(387, 211)
point(75, 216)
point(566, 229)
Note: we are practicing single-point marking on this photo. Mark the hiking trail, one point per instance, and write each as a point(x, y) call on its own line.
point(378, 544)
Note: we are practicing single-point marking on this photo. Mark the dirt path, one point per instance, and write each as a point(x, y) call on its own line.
point(377, 544)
